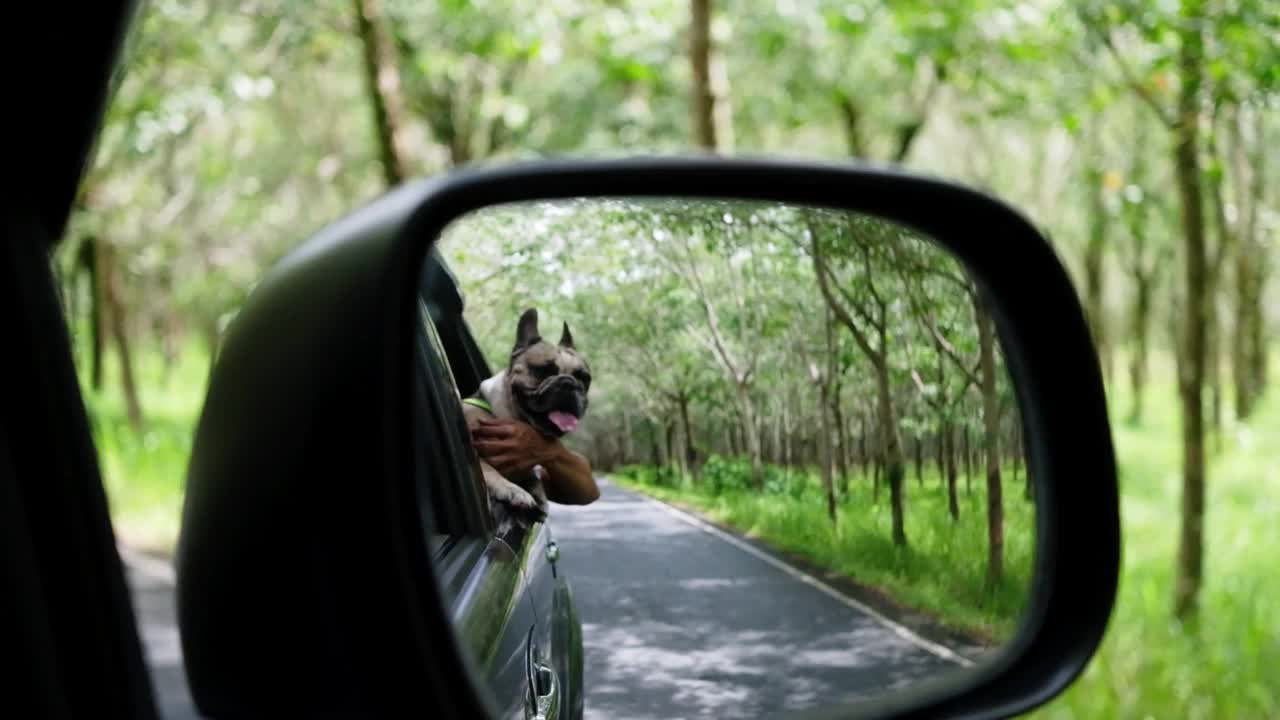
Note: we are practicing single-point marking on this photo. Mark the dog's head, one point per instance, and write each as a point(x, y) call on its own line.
point(548, 382)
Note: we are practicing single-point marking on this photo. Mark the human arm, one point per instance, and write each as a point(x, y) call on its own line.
point(511, 446)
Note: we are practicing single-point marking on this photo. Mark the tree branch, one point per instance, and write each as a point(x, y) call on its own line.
point(824, 284)
point(1104, 36)
point(953, 354)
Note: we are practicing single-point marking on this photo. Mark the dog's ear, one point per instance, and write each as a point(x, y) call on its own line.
point(566, 338)
point(527, 330)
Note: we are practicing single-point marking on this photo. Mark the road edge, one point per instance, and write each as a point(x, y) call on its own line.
point(915, 625)
point(156, 567)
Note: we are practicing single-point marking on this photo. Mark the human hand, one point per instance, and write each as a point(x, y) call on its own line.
point(511, 446)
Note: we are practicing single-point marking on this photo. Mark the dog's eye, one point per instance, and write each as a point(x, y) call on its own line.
point(583, 376)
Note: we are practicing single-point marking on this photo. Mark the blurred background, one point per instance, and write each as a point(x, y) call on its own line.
point(1139, 139)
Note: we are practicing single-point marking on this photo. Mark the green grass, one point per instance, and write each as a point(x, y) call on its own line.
point(1228, 664)
point(144, 473)
point(941, 572)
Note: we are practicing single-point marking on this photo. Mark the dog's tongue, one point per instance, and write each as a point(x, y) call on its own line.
point(563, 420)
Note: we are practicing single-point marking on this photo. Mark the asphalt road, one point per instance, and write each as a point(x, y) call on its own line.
point(682, 621)
point(151, 583)
point(679, 621)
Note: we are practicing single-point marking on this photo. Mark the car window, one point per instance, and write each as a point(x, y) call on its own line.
point(453, 469)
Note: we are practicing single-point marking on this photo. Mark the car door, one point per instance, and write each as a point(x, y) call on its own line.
point(554, 647)
point(483, 574)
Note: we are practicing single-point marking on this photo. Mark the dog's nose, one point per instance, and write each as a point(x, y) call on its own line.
point(562, 382)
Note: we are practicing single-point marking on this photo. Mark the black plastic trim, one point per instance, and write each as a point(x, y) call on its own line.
point(307, 417)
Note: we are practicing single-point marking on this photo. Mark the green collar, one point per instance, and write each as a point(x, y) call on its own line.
point(480, 403)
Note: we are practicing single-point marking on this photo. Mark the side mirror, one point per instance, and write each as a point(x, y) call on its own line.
point(337, 553)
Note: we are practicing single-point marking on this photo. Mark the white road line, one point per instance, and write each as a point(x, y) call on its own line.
point(905, 633)
point(152, 567)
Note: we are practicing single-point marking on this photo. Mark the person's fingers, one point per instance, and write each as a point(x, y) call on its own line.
point(490, 448)
point(492, 437)
point(507, 464)
point(491, 431)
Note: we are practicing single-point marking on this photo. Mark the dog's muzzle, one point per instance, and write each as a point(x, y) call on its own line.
point(562, 393)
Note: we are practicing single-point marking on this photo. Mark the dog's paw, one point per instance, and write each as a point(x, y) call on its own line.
point(515, 499)
point(514, 495)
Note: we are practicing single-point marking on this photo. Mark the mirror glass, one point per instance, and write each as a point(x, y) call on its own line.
point(717, 458)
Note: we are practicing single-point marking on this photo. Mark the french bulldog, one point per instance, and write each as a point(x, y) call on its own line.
point(544, 385)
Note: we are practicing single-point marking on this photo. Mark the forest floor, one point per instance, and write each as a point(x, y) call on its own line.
point(1149, 666)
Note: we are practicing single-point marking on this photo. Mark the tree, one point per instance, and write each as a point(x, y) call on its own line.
point(704, 99)
point(1144, 258)
point(852, 241)
point(739, 365)
point(822, 377)
point(385, 99)
point(1191, 371)
point(1183, 124)
point(929, 299)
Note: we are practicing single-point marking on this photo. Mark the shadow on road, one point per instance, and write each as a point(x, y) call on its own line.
point(679, 623)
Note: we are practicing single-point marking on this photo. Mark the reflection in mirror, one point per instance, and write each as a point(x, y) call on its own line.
point(746, 457)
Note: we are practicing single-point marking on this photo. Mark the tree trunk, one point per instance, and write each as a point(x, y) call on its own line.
point(628, 446)
point(877, 473)
point(1030, 490)
point(1142, 274)
point(1258, 344)
point(948, 442)
point(1249, 349)
point(1213, 272)
point(1015, 452)
point(841, 437)
point(1094, 257)
point(752, 436)
point(1213, 366)
point(704, 99)
point(1138, 358)
point(1258, 347)
point(991, 441)
point(168, 329)
point(1192, 360)
point(919, 459)
point(863, 451)
point(940, 452)
point(851, 117)
point(825, 449)
point(690, 455)
point(786, 433)
point(1241, 375)
point(382, 77)
point(895, 464)
point(672, 459)
point(89, 262)
point(968, 462)
point(114, 309)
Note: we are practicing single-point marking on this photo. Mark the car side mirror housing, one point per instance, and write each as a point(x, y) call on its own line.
point(305, 575)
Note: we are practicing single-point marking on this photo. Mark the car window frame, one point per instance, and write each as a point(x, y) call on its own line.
point(455, 478)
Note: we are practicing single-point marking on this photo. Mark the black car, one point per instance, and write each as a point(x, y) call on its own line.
point(511, 605)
